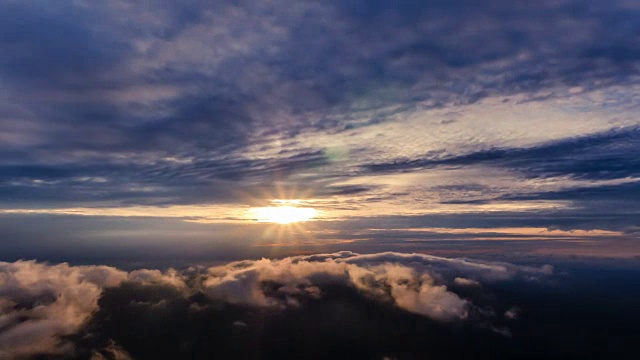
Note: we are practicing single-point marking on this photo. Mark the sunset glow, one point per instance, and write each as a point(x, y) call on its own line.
point(283, 214)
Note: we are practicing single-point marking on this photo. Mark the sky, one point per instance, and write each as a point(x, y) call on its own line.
point(134, 128)
point(263, 179)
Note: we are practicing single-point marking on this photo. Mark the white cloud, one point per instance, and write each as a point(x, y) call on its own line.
point(414, 282)
point(41, 303)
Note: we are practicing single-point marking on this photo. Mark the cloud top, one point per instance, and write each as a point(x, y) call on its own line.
point(43, 305)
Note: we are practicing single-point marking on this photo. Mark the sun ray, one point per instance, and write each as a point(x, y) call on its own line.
point(283, 214)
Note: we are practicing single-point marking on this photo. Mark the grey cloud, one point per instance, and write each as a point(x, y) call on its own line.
point(294, 68)
point(40, 45)
point(592, 159)
point(158, 182)
point(512, 313)
point(606, 155)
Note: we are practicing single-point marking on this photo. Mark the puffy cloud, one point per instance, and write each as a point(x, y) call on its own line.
point(43, 303)
point(414, 282)
point(512, 313)
point(169, 278)
point(111, 352)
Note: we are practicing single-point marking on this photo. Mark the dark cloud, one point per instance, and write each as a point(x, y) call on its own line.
point(57, 46)
point(119, 104)
point(627, 193)
point(100, 89)
point(165, 182)
point(346, 190)
point(601, 156)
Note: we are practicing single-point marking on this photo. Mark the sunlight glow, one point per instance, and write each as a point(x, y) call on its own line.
point(284, 214)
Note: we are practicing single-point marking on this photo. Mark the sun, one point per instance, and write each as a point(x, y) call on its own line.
point(284, 214)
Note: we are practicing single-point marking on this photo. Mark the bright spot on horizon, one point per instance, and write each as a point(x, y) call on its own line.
point(284, 214)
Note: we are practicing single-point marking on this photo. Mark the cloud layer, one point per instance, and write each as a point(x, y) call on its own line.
point(45, 306)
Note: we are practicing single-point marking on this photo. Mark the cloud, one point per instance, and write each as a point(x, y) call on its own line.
point(599, 156)
point(42, 304)
point(413, 282)
point(466, 282)
point(45, 305)
point(111, 352)
point(408, 289)
point(126, 85)
point(369, 108)
point(512, 313)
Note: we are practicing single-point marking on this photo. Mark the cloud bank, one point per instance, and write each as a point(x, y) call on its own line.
point(44, 306)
